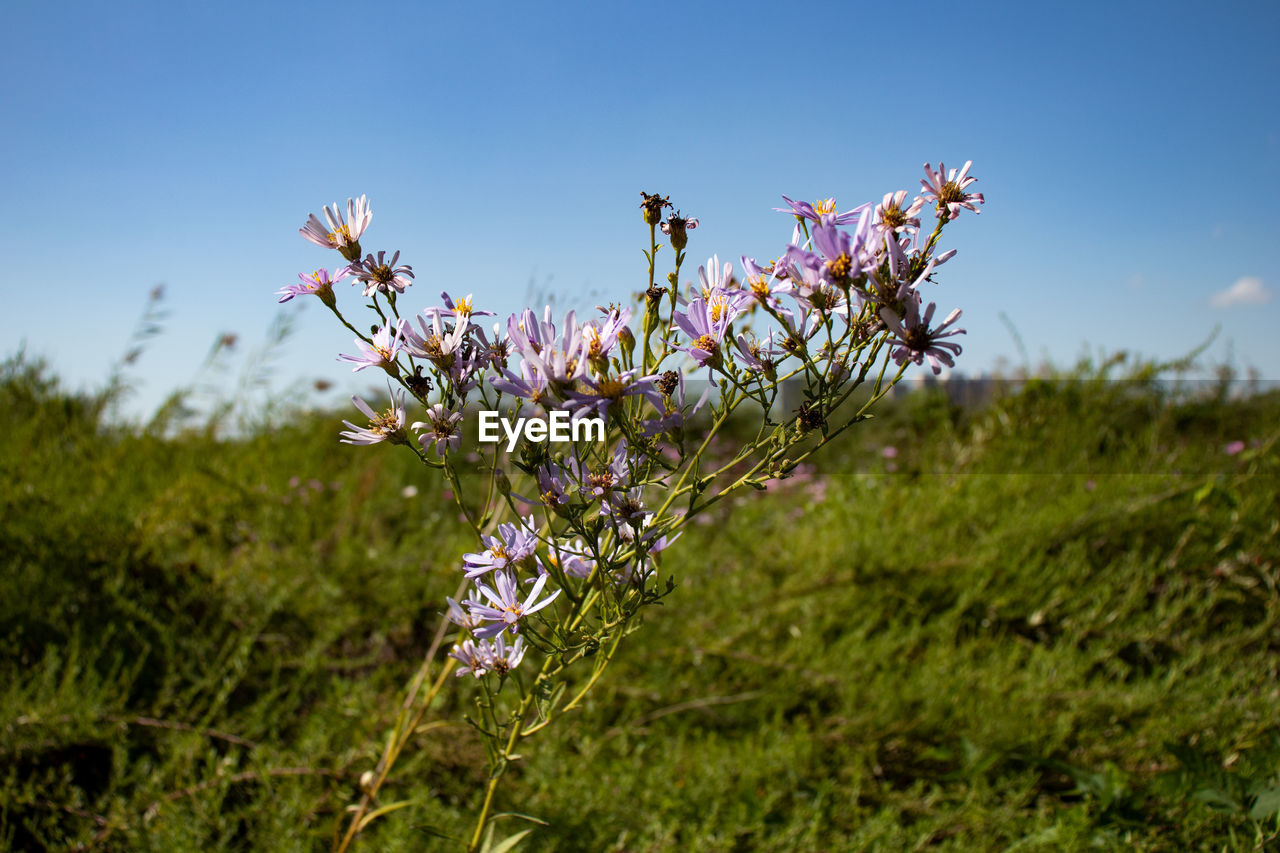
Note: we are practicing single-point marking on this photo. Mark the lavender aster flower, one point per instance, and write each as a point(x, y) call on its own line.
point(319, 283)
point(949, 194)
point(820, 211)
point(474, 658)
point(889, 216)
point(601, 337)
point(443, 429)
point(574, 559)
point(461, 617)
point(382, 276)
point(505, 609)
point(529, 385)
point(440, 346)
point(914, 340)
point(382, 353)
point(552, 487)
point(343, 235)
point(460, 311)
point(384, 426)
point(504, 658)
point(706, 321)
point(513, 546)
point(594, 396)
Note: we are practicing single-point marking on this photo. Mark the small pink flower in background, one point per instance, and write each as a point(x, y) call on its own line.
point(1234, 448)
point(889, 452)
point(817, 490)
point(1090, 485)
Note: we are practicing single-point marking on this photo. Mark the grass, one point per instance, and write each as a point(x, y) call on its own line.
point(1053, 626)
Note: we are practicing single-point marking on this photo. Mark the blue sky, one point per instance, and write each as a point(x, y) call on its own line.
point(1127, 153)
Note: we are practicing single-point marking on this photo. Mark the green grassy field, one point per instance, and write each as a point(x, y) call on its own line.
point(1054, 625)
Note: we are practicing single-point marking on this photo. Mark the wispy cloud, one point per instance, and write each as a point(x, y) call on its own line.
point(1246, 291)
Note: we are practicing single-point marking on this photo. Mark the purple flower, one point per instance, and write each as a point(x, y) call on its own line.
point(483, 657)
point(562, 363)
point(601, 482)
point(914, 340)
point(505, 609)
point(319, 283)
point(513, 546)
point(594, 396)
point(600, 337)
point(719, 277)
point(551, 487)
point(706, 321)
point(529, 385)
point(460, 311)
point(443, 426)
point(759, 355)
point(382, 353)
point(474, 658)
point(809, 282)
point(627, 507)
point(343, 235)
point(461, 617)
point(950, 194)
point(382, 276)
point(497, 352)
point(574, 559)
point(759, 281)
point(889, 217)
point(436, 344)
point(820, 211)
point(385, 426)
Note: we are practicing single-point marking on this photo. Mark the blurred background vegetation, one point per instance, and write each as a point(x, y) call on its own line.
point(1043, 620)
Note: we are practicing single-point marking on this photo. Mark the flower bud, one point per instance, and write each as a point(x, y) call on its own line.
point(676, 228)
point(652, 207)
point(327, 296)
point(626, 340)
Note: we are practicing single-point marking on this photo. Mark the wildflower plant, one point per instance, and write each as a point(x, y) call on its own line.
point(570, 536)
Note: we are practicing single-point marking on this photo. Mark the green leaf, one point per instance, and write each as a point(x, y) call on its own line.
point(377, 813)
point(1266, 804)
point(539, 821)
point(508, 843)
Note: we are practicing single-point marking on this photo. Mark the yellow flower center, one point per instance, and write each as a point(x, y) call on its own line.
point(340, 236)
point(824, 205)
point(708, 344)
point(950, 192)
point(385, 423)
point(593, 341)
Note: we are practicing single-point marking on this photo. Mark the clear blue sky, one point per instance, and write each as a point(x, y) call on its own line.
point(1127, 152)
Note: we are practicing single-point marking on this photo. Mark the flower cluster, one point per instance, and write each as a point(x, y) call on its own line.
point(580, 554)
